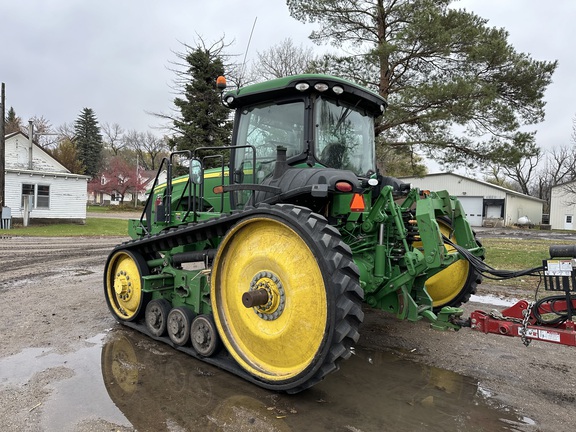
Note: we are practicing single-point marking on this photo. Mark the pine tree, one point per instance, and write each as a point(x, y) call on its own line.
point(203, 120)
point(456, 87)
point(13, 122)
point(88, 141)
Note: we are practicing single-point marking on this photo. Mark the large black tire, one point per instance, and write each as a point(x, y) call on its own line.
point(314, 304)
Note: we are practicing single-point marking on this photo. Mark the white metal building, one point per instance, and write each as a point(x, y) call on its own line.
point(485, 204)
point(51, 190)
point(562, 209)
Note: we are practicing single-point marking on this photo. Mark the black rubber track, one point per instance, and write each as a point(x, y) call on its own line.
point(342, 277)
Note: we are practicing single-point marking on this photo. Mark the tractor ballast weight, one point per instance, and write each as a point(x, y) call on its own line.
point(261, 264)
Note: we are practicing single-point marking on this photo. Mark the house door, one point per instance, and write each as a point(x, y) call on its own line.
point(568, 222)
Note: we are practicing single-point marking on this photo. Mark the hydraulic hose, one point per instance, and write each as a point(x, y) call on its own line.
point(488, 271)
point(561, 316)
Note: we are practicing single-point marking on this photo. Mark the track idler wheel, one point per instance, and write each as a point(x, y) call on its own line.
point(123, 285)
point(157, 316)
point(286, 296)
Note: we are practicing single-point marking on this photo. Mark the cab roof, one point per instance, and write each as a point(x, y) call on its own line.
point(335, 88)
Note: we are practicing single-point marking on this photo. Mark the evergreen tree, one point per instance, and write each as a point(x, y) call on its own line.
point(457, 89)
point(13, 122)
point(203, 120)
point(88, 141)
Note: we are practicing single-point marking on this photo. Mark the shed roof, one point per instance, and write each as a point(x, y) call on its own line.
point(483, 183)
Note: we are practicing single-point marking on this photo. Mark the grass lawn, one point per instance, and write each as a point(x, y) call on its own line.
point(113, 209)
point(93, 227)
point(518, 254)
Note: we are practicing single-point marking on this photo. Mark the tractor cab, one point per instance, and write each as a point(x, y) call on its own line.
point(306, 140)
point(322, 122)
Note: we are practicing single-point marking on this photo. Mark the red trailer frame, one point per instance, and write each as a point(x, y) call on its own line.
point(510, 322)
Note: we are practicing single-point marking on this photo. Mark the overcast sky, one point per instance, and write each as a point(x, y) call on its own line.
point(113, 56)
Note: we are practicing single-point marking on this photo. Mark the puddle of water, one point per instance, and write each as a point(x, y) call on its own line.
point(74, 396)
point(159, 389)
point(130, 380)
point(493, 300)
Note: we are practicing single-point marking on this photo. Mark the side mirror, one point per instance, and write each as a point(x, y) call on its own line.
point(196, 171)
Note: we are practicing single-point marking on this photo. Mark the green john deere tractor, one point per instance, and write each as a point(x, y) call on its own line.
point(261, 263)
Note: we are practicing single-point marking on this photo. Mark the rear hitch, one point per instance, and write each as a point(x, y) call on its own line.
point(448, 318)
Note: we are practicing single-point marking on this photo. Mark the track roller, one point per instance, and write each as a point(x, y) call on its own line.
point(205, 339)
point(179, 324)
point(157, 316)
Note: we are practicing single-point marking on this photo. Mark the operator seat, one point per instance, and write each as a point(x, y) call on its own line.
point(334, 156)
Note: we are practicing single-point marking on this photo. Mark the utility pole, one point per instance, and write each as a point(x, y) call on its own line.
point(2, 145)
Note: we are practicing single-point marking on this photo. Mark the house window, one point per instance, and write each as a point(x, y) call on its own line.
point(43, 196)
point(40, 194)
point(27, 190)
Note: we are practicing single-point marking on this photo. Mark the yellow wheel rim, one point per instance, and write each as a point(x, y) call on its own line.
point(445, 285)
point(123, 286)
point(277, 340)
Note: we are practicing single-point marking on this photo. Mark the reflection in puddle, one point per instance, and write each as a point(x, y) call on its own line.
point(73, 384)
point(158, 389)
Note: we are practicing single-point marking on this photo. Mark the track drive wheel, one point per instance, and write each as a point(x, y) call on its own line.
point(286, 296)
point(123, 285)
point(456, 283)
point(157, 316)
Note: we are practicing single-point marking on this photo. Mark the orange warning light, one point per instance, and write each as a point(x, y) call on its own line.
point(221, 82)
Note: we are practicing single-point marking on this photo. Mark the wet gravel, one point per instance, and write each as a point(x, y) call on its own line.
point(51, 290)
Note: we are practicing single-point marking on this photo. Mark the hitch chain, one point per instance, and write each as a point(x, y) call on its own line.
point(496, 314)
point(525, 340)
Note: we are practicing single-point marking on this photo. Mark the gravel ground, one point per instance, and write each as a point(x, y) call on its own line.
point(52, 297)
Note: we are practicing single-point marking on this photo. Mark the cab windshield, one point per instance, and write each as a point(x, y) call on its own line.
point(266, 127)
point(344, 137)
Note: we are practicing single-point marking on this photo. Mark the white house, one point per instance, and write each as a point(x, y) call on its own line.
point(562, 207)
point(485, 204)
point(52, 191)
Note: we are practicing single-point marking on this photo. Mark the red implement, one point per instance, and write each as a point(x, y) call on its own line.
point(509, 322)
